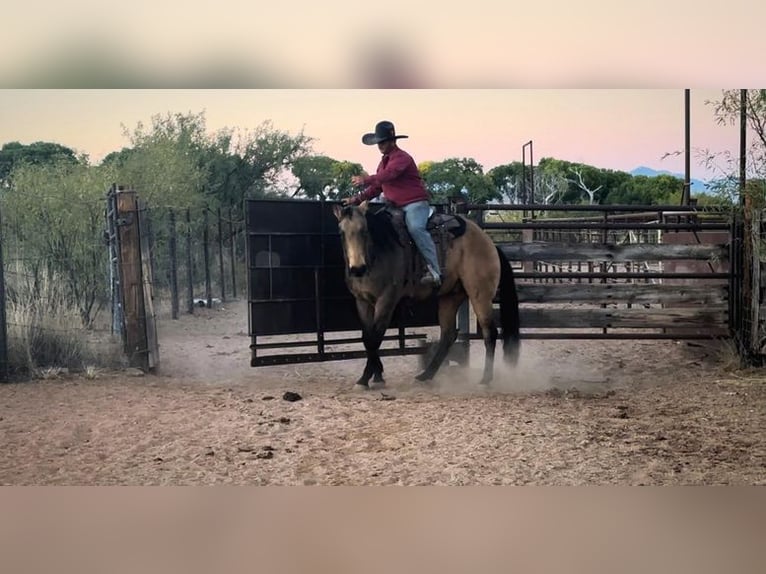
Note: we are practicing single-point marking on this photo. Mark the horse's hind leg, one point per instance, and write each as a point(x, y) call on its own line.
point(482, 306)
point(448, 306)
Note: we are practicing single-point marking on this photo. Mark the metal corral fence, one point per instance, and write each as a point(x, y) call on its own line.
point(618, 272)
point(582, 272)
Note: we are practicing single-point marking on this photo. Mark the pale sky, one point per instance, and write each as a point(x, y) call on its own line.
point(608, 128)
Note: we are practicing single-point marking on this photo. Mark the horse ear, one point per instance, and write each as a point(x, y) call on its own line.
point(363, 206)
point(337, 211)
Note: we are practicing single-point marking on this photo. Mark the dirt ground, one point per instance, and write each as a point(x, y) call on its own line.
point(571, 413)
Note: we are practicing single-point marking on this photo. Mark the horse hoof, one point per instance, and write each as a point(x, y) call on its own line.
point(423, 377)
point(362, 387)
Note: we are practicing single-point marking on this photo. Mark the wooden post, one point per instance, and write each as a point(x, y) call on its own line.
point(114, 259)
point(173, 264)
point(232, 257)
point(755, 293)
point(189, 265)
point(147, 282)
point(206, 245)
point(134, 311)
point(746, 202)
point(220, 256)
point(3, 324)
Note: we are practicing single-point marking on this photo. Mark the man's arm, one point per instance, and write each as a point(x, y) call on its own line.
point(369, 193)
point(396, 165)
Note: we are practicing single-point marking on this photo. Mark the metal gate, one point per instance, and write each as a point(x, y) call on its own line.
point(582, 272)
point(299, 308)
point(619, 272)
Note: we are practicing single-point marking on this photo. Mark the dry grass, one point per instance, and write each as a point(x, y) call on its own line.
point(45, 333)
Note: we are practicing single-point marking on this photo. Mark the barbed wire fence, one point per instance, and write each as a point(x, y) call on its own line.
point(59, 302)
point(53, 293)
point(197, 257)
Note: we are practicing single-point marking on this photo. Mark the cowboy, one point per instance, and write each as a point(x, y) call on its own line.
point(397, 177)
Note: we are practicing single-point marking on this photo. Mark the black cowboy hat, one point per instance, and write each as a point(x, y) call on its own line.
point(384, 131)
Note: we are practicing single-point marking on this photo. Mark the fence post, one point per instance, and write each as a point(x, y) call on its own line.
point(150, 242)
point(189, 264)
point(173, 264)
point(747, 282)
point(220, 256)
point(232, 257)
point(208, 289)
point(3, 324)
point(755, 290)
point(135, 338)
point(114, 271)
point(152, 353)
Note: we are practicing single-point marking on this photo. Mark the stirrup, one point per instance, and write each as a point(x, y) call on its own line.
point(429, 279)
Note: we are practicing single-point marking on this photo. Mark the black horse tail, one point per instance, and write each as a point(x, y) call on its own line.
point(509, 311)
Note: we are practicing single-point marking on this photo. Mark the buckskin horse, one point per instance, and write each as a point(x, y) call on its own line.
point(379, 273)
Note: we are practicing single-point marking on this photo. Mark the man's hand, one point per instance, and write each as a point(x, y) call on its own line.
point(358, 180)
point(347, 200)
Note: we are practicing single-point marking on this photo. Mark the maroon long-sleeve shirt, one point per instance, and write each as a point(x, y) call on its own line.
point(397, 176)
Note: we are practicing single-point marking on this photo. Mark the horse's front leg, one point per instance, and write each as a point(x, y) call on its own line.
point(367, 316)
point(375, 321)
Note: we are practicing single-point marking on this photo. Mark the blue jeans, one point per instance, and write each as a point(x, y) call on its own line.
point(416, 217)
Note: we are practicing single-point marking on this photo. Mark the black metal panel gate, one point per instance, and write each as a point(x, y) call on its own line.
point(297, 297)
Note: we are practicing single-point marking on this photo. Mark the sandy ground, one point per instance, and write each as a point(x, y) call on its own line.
point(571, 413)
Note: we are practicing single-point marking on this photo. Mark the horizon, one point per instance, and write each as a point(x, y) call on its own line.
point(617, 129)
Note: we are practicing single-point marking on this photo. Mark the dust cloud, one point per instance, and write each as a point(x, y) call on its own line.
point(535, 372)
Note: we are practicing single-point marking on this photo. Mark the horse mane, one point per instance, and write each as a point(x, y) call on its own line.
point(382, 232)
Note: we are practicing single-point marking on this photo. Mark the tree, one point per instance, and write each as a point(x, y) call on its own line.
point(342, 172)
point(55, 214)
point(644, 190)
point(507, 179)
point(551, 181)
point(613, 181)
point(315, 176)
point(266, 153)
point(550, 187)
point(221, 168)
point(580, 182)
point(726, 165)
point(165, 164)
point(323, 177)
point(451, 176)
point(14, 154)
point(117, 158)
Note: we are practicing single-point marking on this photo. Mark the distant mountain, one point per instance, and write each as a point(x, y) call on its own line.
point(697, 185)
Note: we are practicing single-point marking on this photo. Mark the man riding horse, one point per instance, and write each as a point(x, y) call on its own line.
point(398, 178)
point(378, 264)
